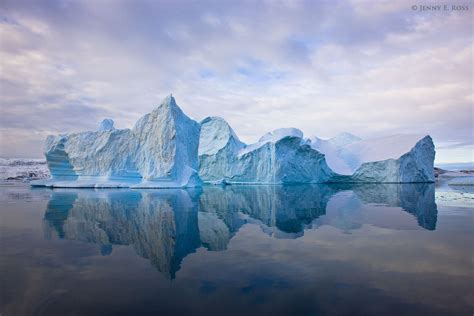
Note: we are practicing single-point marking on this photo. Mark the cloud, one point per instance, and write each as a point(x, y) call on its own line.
point(325, 67)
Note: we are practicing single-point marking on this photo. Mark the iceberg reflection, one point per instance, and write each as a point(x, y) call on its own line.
point(161, 225)
point(164, 226)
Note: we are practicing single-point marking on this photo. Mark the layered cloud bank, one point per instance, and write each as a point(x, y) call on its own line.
point(167, 149)
point(374, 68)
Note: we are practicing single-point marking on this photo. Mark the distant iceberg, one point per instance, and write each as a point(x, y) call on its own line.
point(167, 149)
point(396, 159)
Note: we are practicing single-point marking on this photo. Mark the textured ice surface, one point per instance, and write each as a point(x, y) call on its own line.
point(218, 149)
point(159, 152)
point(280, 156)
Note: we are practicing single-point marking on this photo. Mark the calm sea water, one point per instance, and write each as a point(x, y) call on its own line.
point(236, 250)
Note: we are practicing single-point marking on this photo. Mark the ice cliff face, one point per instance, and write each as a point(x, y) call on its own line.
point(160, 151)
point(218, 149)
point(285, 160)
point(167, 147)
point(278, 157)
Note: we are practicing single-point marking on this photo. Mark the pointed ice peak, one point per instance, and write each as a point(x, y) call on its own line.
point(168, 102)
point(214, 119)
point(106, 125)
point(280, 133)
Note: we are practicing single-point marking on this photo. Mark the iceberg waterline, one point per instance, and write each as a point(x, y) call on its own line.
point(167, 149)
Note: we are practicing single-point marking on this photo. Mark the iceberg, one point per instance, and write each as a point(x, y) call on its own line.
point(160, 151)
point(281, 156)
point(167, 149)
point(396, 159)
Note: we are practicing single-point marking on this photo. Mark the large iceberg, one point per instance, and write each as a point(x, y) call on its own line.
point(281, 156)
point(167, 149)
point(397, 158)
point(160, 151)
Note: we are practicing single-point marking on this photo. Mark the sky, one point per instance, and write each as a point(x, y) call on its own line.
point(371, 68)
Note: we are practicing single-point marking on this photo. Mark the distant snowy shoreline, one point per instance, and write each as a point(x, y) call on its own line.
point(23, 169)
point(456, 166)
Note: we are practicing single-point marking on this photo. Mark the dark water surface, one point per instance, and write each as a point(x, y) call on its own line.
point(237, 250)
